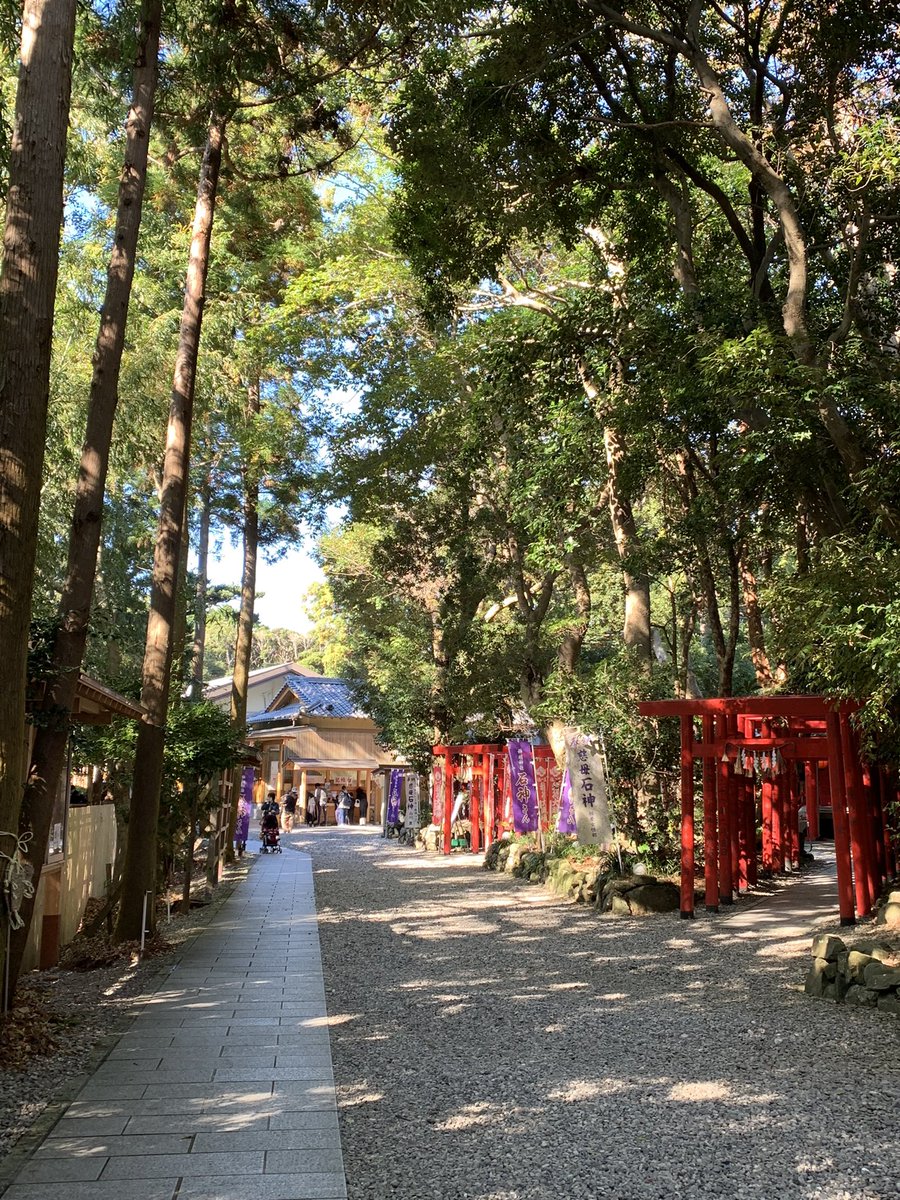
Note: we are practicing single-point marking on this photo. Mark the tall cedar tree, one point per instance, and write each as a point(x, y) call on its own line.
point(34, 213)
point(49, 749)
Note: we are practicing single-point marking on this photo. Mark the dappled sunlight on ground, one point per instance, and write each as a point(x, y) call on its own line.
point(506, 1035)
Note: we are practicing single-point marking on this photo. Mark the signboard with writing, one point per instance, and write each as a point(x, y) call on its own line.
point(566, 821)
point(587, 775)
point(394, 793)
point(523, 787)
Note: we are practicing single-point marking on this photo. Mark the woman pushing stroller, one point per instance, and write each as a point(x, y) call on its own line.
point(269, 834)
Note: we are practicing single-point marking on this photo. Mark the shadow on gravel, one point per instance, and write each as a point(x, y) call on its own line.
point(491, 1042)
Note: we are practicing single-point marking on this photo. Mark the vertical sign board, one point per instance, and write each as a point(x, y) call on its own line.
point(394, 793)
point(247, 785)
point(566, 821)
point(413, 803)
point(590, 801)
point(523, 787)
point(437, 792)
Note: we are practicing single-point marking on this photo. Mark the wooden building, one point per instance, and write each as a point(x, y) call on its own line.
point(311, 732)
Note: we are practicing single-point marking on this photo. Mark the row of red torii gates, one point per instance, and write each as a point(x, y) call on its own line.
point(751, 749)
point(767, 737)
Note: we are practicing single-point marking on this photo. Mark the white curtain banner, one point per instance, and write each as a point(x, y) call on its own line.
point(590, 801)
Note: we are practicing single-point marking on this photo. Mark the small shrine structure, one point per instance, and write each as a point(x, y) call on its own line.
point(484, 769)
point(753, 751)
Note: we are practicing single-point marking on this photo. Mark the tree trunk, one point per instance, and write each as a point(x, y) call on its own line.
point(198, 652)
point(140, 856)
point(244, 643)
point(48, 754)
point(573, 639)
point(179, 625)
point(755, 631)
point(34, 214)
point(636, 630)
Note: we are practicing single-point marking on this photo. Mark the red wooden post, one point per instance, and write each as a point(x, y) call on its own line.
point(811, 777)
point(864, 809)
point(841, 823)
point(793, 791)
point(767, 855)
point(726, 879)
point(687, 817)
point(710, 832)
point(448, 799)
point(872, 784)
point(750, 825)
point(489, 817)
point(778, 822)
point(735, 808)
point(857, 817)
point(475, 804)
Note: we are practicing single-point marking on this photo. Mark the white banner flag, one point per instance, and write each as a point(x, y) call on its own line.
point(590, 802)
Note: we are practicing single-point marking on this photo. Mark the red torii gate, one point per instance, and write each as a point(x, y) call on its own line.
point(489, 771)
point(786, 730)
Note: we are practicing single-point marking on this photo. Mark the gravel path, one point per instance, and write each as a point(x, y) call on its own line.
point(493, 1043)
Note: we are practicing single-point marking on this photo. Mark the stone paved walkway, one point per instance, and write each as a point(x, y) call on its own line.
point(222, 1087)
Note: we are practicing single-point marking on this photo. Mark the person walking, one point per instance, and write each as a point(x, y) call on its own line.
point(289, 811)
point(363, 801)
point(344, 805)
point(242, 827)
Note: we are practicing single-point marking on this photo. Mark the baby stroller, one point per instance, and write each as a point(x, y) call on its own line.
point(269, 833)
point(271, 841)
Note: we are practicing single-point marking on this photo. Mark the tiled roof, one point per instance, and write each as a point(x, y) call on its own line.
point(316, 697)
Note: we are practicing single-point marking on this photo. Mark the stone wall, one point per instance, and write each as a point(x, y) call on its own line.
point(865, 974)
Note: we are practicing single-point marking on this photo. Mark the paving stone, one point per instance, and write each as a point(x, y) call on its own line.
point(303, 1138)
point(111, 1189)
point(181, 1165)
point(284, 1161)
point(61, 1170)
point(110, 1147)
point(217, 1120)
point(325, 1186)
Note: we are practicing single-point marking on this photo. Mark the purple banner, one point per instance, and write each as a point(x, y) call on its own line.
point(523, 786)
point(394, 792)
point(247, 784)
point(566, 822)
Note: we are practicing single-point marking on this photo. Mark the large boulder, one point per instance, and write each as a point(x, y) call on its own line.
point(880, 950)
point(861, 996)
point(817, 978)
point(889, 916)
point(856, 965)
point(881, 978)
point(827, 947)
point(649, 898)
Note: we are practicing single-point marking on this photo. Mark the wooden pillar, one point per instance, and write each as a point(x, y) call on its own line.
point(778, 822)
point(856, 817)
point(734, 808)
point(723, 770)
point(793, 796)
point(766, 788)
point(687, 817)
point(710, 824)
point(750, 810)
point(841, 823)
point(301, 798)
point(475, 802)
point(448, 800)
point(872, 782)
point(861, 832)
point(811, 778)
point(869, 819)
